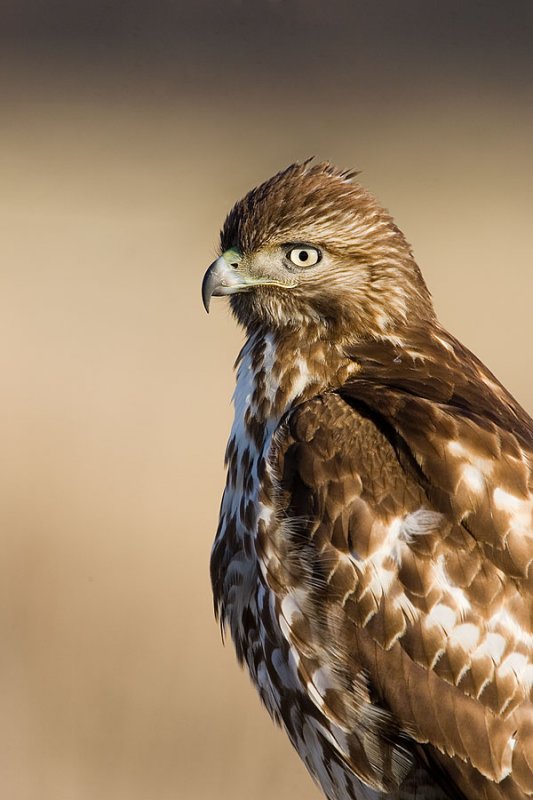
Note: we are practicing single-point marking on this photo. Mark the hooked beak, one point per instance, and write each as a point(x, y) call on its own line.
point(221, 279)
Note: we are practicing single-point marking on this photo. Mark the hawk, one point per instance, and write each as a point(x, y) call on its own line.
point(373, 556)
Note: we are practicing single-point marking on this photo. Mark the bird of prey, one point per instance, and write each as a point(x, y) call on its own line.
point(373, 556)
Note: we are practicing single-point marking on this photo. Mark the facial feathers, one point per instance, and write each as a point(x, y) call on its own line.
point(367, 281)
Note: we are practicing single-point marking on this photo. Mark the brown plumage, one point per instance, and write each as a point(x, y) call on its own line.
point(373, 557)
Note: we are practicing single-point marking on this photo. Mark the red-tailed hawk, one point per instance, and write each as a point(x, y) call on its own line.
point(373, 557)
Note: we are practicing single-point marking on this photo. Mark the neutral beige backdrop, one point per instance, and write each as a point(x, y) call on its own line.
point(115, 402)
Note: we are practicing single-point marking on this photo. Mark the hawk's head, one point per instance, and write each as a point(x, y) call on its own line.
point(310, 247)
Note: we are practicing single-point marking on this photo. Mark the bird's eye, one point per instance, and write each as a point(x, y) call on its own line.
point(304, 256)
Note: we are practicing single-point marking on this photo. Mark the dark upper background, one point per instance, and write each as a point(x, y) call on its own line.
point(126, 131)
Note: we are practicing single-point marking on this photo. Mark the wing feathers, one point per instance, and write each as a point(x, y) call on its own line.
point(415, 540)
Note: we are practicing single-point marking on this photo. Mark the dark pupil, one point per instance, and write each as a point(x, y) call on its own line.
point(303, 255)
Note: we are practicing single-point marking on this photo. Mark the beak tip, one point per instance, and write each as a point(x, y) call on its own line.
point(207, 291)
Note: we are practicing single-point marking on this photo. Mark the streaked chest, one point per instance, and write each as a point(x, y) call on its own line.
point(265, 391)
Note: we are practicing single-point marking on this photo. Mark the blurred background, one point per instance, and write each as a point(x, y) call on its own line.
point(127, 129)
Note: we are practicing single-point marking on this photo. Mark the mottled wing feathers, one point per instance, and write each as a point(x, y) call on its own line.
point(312, 567)
point(471, 441)
point(404, 563)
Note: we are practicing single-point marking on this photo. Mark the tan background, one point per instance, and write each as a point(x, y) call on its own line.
point(127, 130)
